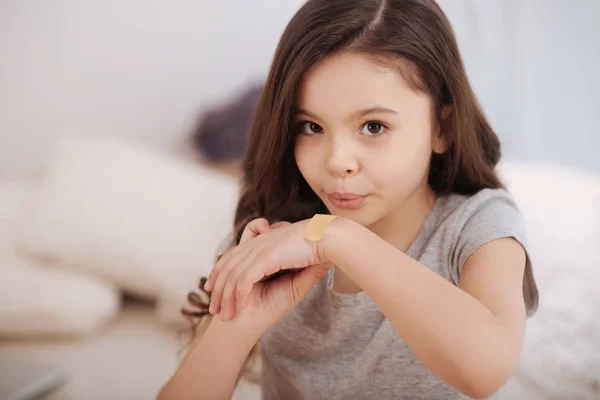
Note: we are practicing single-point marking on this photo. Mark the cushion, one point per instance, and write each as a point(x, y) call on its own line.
point(135, 217)
point(38, 301)
point(14, 198)
point(222, 132)
point(171, 300)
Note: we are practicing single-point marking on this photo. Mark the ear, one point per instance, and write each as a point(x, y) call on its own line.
point(443, 133)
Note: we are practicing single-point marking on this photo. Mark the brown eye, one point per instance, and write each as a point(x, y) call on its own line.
point(309, 128)
point(373, 128)
point(315, 128)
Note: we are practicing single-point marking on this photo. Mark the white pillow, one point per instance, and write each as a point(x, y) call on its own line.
point(561, 205)
point(171, 300)
point(14, 198)
point(137, 218)
point(37, 301)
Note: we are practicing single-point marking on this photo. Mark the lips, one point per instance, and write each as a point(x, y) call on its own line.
point(347, 200)
point(345, 196)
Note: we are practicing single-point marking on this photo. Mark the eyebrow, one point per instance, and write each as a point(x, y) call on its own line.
point(358, 114)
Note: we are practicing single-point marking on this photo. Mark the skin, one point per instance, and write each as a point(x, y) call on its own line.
point(384, 153)
point(470, 335)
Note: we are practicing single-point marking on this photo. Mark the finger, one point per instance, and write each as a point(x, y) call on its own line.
point(244, 288)
point(221, 279)
point(229, 303)
point(228, 299)
point(260, 267)
point(304, 280)
point(219, 282)
point(227, 307)
point(210, 279)
point(219, 273)
point(255, 228)
point(223, 260)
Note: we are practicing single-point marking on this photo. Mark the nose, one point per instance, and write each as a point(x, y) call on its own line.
point(343, 159)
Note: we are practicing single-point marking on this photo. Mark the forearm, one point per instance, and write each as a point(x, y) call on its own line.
point(213, 363)
point(452, 333)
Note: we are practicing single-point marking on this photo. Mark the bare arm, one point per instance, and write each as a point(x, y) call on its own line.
point(469, 336)
point(211, 368)
point(215, 359)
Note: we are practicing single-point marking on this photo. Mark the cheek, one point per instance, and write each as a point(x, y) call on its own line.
point(305, 160)
point(402, 162)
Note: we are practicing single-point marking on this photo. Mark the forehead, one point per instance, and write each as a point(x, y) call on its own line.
point(346, 82)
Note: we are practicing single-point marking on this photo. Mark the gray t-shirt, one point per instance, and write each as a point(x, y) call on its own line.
point(340, 346)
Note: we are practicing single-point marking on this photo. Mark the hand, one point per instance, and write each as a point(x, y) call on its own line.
point(238, 278)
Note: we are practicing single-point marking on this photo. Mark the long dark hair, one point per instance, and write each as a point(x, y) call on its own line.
point(414, 35)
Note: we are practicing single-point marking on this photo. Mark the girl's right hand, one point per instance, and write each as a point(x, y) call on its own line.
point(273, 298)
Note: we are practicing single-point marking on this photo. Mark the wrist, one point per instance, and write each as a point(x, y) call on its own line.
point(242, 333)
point(334, 238)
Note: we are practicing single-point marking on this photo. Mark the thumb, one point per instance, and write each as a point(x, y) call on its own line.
point(305, 279)
point(255, 228)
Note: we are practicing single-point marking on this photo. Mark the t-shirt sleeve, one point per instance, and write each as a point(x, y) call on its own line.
point(492, 215)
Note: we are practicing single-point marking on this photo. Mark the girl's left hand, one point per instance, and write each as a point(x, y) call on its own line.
point(234, 275)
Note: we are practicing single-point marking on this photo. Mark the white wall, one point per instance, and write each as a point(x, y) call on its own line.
point(558, 58)
point(535, 65)
point(137, 68)
point(144, 69)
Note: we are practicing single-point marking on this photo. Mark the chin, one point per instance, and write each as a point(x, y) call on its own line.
point(361, 216)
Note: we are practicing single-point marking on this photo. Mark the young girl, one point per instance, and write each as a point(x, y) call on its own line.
point(418, 284)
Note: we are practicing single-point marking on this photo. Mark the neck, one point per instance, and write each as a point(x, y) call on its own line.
point(401, 227)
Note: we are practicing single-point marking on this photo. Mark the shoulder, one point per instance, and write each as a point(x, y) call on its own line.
point(472, 221)
point(464, 223)
point(460, 224)
point(476, 219)
point(486, 200)
point(488, 210)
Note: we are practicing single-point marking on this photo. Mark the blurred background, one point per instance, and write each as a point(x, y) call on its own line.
point(121, 126)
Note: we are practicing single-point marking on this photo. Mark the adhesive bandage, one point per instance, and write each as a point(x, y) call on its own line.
point(315, 230)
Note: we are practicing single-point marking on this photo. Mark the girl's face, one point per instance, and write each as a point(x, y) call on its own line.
point(364, 138)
